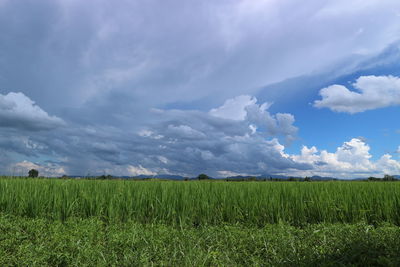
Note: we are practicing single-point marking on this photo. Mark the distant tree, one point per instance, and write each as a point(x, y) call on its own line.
point(388, 177)
point(33, 173)
point(105, 177)
point(203, 176)
point(307, 179)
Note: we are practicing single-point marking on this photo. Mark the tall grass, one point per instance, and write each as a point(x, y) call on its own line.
point(199, 203)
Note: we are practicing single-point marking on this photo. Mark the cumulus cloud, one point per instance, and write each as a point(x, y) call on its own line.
point(235, 108)
point(20, 112)
point(372, 92)
point(245, 108)
point(352, 159)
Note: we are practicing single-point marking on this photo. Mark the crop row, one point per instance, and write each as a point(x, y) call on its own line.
point(203, 203)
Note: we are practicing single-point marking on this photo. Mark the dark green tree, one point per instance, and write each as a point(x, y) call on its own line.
point(203, 176)
point(33, 173)
point(388, 177)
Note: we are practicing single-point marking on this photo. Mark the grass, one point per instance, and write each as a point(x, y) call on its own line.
point(54, 222)
point(91, 242)
point(203, 203)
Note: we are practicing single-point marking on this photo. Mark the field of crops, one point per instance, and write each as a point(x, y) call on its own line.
point(91, 242)
point(203, 203)
point(117, 222)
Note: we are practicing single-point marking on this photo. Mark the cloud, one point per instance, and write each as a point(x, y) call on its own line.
point(191, 141)
point(20, 112)
point(372, 92)
point(184, 132)
point(352, 159)
point(235, 108)
point(17, 143)
point(186, 142)
point(139, 170)
point(245, 108)
point(48, 169)
point(82, 51)
point(105, 68)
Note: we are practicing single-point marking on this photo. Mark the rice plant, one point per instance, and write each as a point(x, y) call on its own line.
point(203, 202)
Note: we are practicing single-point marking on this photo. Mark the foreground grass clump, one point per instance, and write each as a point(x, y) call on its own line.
point(204, 202)
point(91, 242)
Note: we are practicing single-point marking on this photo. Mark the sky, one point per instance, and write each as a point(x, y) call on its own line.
point(230, 87)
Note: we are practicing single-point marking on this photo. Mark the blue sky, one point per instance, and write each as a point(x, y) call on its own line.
point(225, 88)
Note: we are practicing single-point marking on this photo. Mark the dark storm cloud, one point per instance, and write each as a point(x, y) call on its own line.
point(96, 69)
point(69, 53)
point(184, 142)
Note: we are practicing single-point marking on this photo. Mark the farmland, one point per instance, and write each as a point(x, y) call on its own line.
point(86, 222)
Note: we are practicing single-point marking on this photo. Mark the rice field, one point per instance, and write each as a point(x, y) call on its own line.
point(66, 222)
point(197, 203)
point(92, 242)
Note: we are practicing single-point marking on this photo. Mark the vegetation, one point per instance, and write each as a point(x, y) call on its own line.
point(386, 178)
point(91, 242)
point(33, 173)
point(203, 176)
point(67, 222)
point(203, 203)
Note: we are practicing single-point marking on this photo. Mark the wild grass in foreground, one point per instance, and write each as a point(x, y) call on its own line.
point(91, 242)
point(203, 203)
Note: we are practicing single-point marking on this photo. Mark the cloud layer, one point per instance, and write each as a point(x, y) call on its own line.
point(188, 143)
point(372, 92)
point(166, 87)
point(175, 141)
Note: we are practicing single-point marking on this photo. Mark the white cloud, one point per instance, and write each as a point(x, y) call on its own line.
point(47, 170)
point(388, 165)
point(350, 160)
point(19, 111)
point(235, 108)
point(245, 108)
point(139, 170)
point(372, 92)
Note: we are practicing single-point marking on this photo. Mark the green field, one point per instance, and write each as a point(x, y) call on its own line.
point(203, 203)
point(124, 223)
